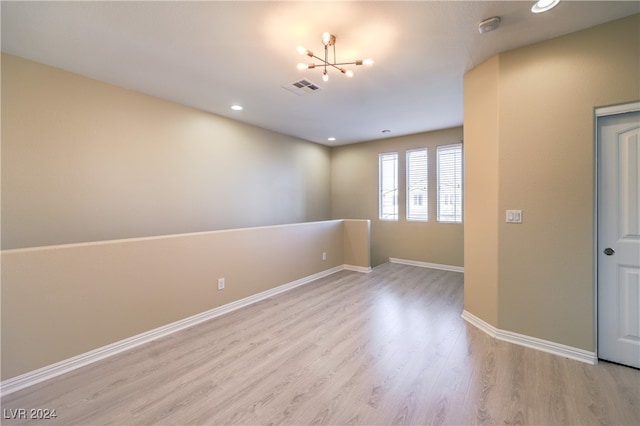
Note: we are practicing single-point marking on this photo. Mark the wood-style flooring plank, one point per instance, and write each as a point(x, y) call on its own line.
point(384, 348)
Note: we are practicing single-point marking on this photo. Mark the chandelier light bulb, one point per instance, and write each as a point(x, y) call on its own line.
point(303, 51)
point(325, 76)
point(302, 66)
point(326, 38)
point(349, 73)
point(367, 61)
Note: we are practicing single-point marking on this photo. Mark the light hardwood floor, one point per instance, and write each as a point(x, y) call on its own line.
point(387, 347)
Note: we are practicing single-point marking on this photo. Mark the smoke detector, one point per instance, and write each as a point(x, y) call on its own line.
point(489, 24)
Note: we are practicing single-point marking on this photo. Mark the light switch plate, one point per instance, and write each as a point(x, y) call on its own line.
point(514, 216)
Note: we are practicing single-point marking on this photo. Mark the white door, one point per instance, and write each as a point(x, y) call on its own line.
point(618, 142)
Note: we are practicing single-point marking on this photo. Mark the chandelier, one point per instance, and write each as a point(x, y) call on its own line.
point(329, 40)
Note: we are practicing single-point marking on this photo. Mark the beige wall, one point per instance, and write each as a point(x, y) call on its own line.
point(357, 243)
point(86, 161)
point(544, 150)
point(62, 301)
point(481, 213)
point(354, 195)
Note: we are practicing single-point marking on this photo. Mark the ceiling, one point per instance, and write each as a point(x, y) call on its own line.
point(210, 55)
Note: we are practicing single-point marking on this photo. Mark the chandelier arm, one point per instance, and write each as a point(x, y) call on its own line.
point(317, 57)
point(329, 64)
point(322, 62)
point(336, 67)
point(326, 57)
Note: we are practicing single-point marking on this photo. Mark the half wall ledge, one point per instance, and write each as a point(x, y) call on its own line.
point(69, 305)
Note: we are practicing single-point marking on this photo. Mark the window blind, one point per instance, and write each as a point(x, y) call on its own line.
point(417, 185)
point(449, 181)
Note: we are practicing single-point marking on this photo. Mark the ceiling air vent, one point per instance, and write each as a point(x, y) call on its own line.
point(301, 87)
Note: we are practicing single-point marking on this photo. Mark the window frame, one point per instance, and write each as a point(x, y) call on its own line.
point(382, 190)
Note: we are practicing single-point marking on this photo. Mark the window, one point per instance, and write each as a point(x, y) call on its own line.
point(388, 186)
point(417, 184)
point(449, 160)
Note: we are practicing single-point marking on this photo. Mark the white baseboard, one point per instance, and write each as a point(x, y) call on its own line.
point(479, 323)
point(427, 265)
point(363, 269)
point(50, 371)
point(532, 342)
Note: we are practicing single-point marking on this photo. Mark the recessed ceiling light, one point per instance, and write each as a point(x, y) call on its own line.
point(544, 5)
point(236, 107)
point(331, 139)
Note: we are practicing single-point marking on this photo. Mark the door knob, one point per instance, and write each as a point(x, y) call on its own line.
point(609, 251)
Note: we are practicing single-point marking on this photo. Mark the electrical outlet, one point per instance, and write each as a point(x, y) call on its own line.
point(324, 255)
point(220, 283)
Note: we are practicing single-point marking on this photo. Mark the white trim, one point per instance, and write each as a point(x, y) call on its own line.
point(363, 269)
point(50, 371)
point(479, 323)
point(617, 109)
point(532, 342)
point(427, 265)
point(160, 237)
